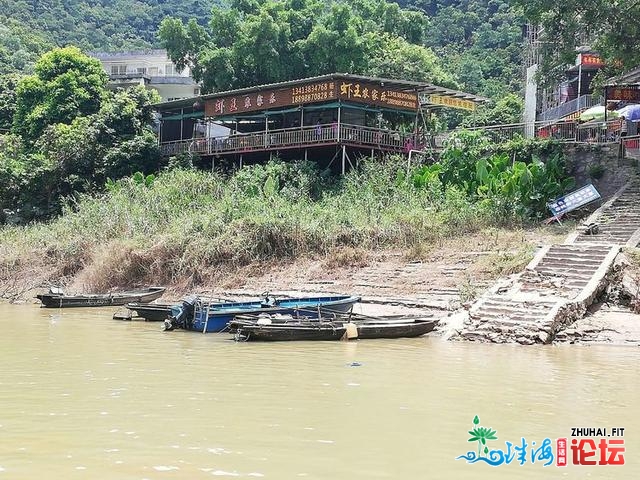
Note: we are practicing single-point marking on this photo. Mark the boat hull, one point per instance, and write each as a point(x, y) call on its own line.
point(415, 328)
point(50, 300)
point(315, 307)
point(288, 329)
point(151, 312)
point(288, 332)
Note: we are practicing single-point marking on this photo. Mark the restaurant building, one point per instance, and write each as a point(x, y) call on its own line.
point(330, 118)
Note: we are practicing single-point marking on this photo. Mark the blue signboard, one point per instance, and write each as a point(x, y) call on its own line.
point(573, 200)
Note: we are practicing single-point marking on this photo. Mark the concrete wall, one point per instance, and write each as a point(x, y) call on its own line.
point(582, 161)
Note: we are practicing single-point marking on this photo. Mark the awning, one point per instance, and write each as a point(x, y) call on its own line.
point(181, 116)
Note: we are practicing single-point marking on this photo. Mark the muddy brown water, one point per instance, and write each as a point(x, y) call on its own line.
point(83, 396)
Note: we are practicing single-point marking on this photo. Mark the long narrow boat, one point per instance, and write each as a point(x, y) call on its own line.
point(151, 312)
point(291, 331)
point(396, 329)
point(214, 317)
point(58, 299)
point(271, 327)
point(157, 312)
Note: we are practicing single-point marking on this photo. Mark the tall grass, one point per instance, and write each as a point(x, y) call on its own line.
point(189, 226)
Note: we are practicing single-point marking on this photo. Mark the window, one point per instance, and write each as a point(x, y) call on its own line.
point(169, 69)
point(153, 71)
point(118, 69)
point(142, 70)
point(196, 91)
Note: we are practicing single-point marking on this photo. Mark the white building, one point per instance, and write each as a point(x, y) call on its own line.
point(151, 68)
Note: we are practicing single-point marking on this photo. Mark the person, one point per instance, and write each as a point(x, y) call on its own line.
point(624, 127)
point(318, 128)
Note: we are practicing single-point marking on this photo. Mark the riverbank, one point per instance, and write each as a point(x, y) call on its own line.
point(284, 229)
point(189, 229)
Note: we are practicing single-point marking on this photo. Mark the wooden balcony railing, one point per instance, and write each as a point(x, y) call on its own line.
point(297, 137)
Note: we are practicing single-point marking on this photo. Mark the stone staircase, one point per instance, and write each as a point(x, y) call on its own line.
point(560, 282)
point(618, 221)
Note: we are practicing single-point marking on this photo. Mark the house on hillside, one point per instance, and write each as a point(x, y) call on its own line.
point(571, 95)
point(152, 69)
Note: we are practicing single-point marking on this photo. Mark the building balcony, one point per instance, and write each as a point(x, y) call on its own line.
point(355, 136)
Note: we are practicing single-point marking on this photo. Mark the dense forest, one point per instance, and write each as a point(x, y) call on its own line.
point(471, 44)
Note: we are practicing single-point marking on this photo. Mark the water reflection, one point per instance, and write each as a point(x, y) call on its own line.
point(85, 396)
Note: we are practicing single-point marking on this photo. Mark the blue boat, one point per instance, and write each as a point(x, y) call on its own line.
point(198, 316)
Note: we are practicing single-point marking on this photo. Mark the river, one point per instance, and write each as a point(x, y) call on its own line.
point(83, 396)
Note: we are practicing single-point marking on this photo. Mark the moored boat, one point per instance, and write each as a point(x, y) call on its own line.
point(286, 327)
point(151, 312)
point(56, 298)
point(307, 330)
point(395, 329)
point(214, 317)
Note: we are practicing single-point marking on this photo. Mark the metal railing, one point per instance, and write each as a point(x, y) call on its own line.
point(571, 131)
point(572, 106)
point(297, 137)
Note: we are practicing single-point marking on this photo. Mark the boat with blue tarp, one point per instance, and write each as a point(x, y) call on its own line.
point(197, 315)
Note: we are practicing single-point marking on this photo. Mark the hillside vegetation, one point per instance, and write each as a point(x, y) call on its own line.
point(473, 44)
point(190, 227)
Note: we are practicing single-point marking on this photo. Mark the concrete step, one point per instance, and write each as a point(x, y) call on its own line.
point(569, 262)
point(596, 256)
point(511, 311)
point(530, 306)
point(566, 273)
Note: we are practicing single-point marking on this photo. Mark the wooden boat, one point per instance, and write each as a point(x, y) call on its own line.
point(395, 329)
point(154, 312)
point(290, 331)
point(150, 312)
point(214, 317)
point(283, 327)
point(56, 298)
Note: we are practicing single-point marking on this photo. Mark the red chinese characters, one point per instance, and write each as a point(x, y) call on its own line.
point(561, 452)
point(585, 452)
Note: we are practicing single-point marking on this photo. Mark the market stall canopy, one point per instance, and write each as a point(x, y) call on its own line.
point(597, 113)
point(630, 112)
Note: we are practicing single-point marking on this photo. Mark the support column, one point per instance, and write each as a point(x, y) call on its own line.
point(240, 160)
point(344, 158)
point(182, 123)
point(305, 155)
point(339, 127)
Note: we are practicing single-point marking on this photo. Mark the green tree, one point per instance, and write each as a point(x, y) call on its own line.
point(66, 84)
point(112, 143)
point(20, 47)
point(8, 86)
point(505, 111)
point(254, 42)
point(396, 58)
point(610, 27)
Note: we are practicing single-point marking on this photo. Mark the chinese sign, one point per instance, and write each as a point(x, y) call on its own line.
point(623, 93)
point(588, 446)
point(314, 92)
point(354, 91)
point(591, 60)
point(573, 200)
point(377, 94)
point(452, 102)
